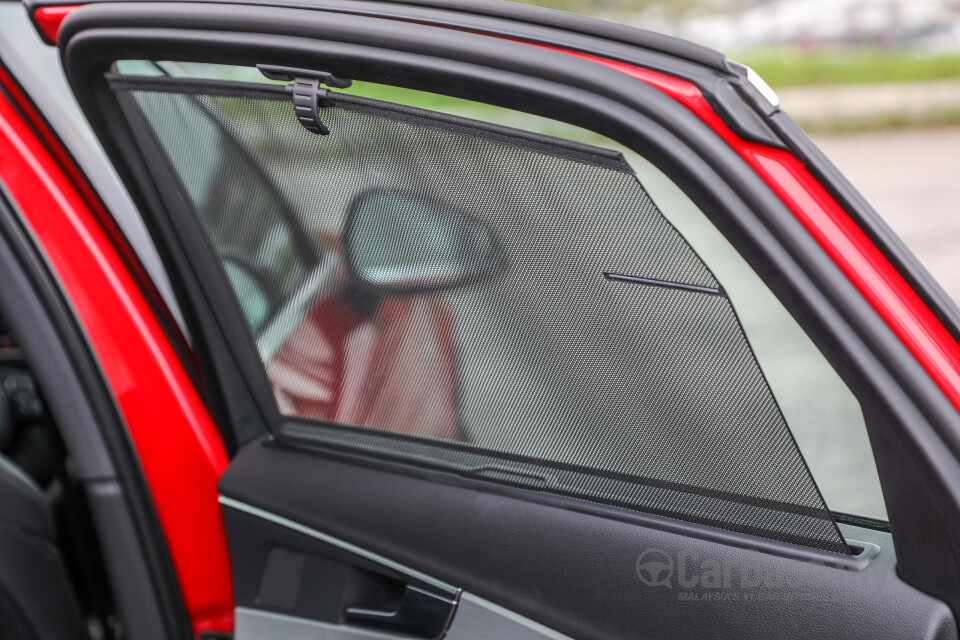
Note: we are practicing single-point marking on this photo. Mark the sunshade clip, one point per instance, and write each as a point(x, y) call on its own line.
point(307, 94)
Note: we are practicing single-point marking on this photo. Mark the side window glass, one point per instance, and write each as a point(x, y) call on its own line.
point(266, 254)
point(523, 308)
point(823, 414)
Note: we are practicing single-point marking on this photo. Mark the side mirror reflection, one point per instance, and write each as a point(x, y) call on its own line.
point(403, 243)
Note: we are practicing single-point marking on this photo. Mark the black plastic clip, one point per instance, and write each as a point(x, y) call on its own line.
point(307, 94)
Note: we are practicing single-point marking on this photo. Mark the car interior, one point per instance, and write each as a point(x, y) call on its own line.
point(52, 578)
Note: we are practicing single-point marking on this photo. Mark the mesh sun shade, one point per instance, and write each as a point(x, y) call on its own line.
point(591, 353)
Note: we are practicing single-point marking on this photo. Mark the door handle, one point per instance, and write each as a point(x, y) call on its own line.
point(420, 614)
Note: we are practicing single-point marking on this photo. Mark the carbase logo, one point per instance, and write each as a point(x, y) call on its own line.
point(752, 575)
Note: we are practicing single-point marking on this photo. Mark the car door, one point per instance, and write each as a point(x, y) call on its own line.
point(483, 381)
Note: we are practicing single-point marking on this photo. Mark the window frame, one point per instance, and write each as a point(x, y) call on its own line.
point(901, 403)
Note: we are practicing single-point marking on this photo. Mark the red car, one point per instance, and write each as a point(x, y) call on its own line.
point(371, 319)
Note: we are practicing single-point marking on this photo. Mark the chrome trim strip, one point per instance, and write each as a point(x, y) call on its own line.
point(761, 85)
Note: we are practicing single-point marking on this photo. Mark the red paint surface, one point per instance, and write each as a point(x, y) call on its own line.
point(179, 447)
point(846, 244)
point(49, 19)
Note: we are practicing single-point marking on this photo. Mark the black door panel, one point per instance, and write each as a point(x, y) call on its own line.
point(572, 571)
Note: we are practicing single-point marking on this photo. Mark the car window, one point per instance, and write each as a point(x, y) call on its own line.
point(823, 414)
point(528, 309)
point(266, 255)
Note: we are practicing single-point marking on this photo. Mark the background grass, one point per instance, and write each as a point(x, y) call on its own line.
point(885, 122)
point(793, 67)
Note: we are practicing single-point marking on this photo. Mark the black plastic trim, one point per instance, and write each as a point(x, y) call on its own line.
point(723, 83)
point(663, 521)
point(310, 433)
point(861, 521)
point(532, 15)
point(571, 570)
point(329, 569)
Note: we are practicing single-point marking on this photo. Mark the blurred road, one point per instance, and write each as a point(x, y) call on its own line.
point(912, 177)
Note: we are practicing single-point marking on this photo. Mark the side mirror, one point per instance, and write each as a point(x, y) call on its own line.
point(403, 243)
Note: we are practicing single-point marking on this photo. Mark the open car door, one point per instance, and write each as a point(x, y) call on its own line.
point(485, 299)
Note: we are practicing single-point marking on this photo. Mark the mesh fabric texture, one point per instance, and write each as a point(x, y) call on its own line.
point(630, 392)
